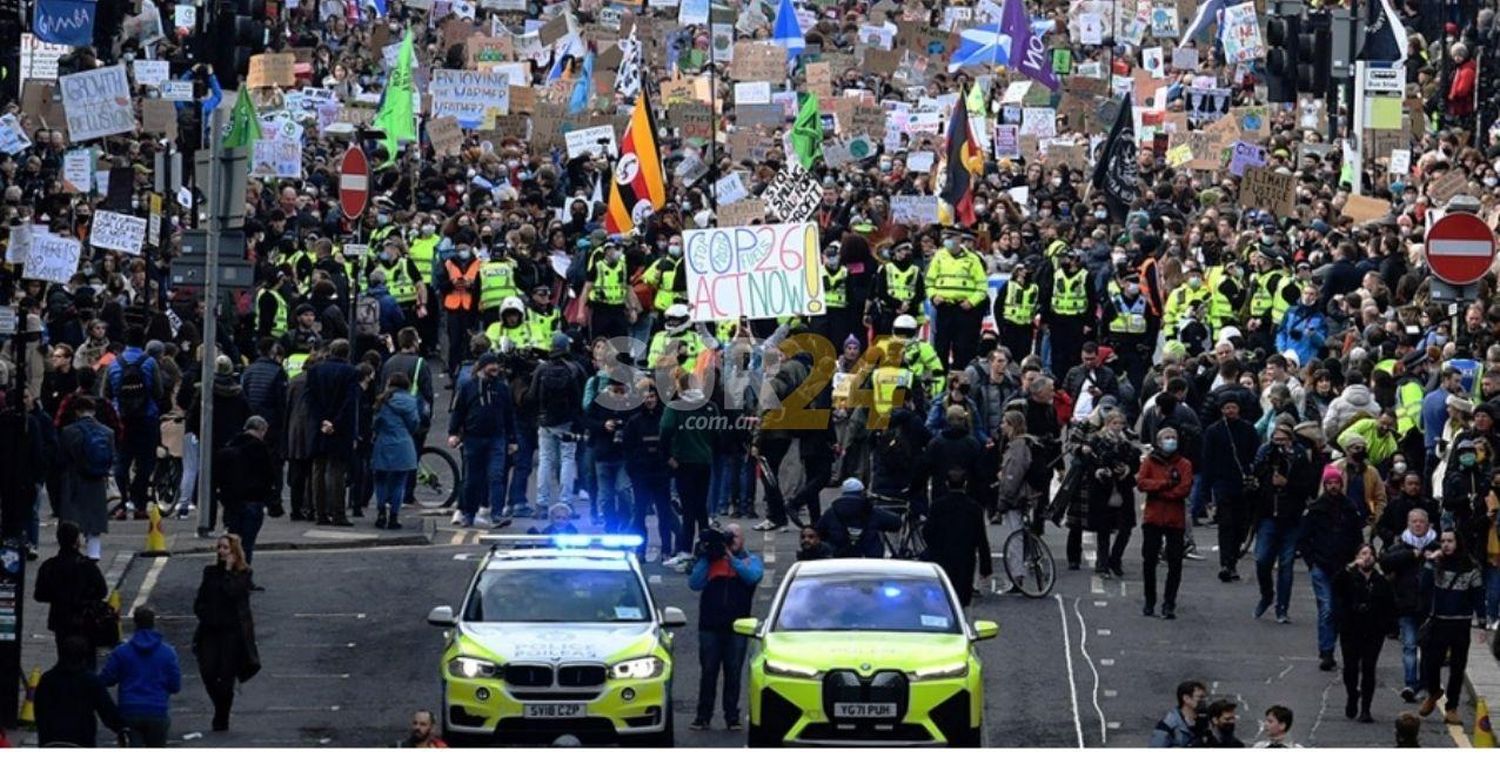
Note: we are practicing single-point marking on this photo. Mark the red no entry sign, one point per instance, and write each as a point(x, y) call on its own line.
point(1460, 248)
point(354, 182)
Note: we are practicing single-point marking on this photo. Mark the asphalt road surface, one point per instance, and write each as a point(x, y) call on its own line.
point(348, 655)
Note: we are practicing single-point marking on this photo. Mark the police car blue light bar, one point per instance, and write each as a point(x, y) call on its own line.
point(569, 540)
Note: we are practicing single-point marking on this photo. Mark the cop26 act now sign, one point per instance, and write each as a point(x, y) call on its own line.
point(762, 271)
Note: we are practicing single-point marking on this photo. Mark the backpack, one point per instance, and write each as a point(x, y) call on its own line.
point(98, 451)
point(367, 316)
point(99, 622)
point(132, 395)
point(557, 399)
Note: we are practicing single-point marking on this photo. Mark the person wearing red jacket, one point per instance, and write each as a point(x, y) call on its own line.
point(1166, 477)
point(1461, 91)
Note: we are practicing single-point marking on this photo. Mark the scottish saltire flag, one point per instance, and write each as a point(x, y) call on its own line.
point(1027, 52)
point(1385, 35)
point(983, 47)
point(788, 32)
point(1207, 12)
point(580, 98)
point(381, 9)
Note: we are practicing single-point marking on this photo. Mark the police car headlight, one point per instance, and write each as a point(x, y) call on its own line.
point(638, 668)
point(777, 668)
point(950, 671)
point(472, 668)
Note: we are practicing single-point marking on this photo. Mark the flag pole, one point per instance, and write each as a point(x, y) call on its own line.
point(713, 119)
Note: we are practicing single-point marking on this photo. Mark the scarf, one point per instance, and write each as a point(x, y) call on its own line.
point(1418, 542)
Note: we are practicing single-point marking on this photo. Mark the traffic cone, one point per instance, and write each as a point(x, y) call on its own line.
point(28, 706)
point(1484, 735)
point(156, 541)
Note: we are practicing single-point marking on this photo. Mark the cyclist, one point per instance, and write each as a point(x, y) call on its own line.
point(852, 526)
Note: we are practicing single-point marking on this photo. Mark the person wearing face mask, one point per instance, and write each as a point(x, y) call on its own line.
point(460, 283)
point(667, 277)
point(898, 290)
point(383, 225)
point(1015, 312)
point(1304, 328)
point(1329, 538)
point(959, 286)
point(1132, 326)
point(1452, 583)
point(1364, 612)
point(1069, 299)
point(1192, 290)
point(604, 287)
point(1465, 488)
point(1273, 290)
point(497, 277)
point(1287, 478)
point(1166, 477)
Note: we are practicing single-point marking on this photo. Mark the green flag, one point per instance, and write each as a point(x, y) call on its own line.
point(244, 124)
point(976, 102)
point(395, 115)
point(807, 132)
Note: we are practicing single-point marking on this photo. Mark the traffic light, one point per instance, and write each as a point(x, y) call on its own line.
point(1282, 33)
point(1314, 54)
point(239, 32)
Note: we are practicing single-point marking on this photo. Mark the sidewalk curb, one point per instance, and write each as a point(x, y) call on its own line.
point(206, 546)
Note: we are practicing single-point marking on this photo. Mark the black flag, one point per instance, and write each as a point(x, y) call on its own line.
point(1117, 173)
point(1385, 35)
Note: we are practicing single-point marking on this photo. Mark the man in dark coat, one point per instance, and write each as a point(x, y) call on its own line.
point(71, 700)
point(1402, 561)
point(230, 411)
point(67, 581)
point(956, 536)
point(1236, 439)
point(265, 384)
point(248, 488)
point(332, 407)
point(1328, 539)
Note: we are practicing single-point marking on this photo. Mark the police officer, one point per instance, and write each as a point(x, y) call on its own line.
point(460, 284)
point(838, 321)
point(543, 317)
point(273, 314)
point(1015, 312)
point(676, 340)
point(402, 278)
point(300, 342)
point(917, 356)
point(666, 276)
point(1069, 310)
point(1191, 291)
point(958, 284)
point(1227, 283)
point(604, 291)
point(898, 290)
point(497, 279)
point(1131, 327)
point(512, 326)
point(1272, 290)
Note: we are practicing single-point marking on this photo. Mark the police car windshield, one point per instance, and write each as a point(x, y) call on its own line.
point(852, 602)
point(550, 595)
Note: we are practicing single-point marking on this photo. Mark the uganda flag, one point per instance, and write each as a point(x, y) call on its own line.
point(965, 163)
point(638, 187)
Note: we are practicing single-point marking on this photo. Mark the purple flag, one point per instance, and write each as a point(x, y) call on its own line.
point(1027, 51)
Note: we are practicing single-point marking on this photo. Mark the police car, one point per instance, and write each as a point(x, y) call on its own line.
point(558, 636)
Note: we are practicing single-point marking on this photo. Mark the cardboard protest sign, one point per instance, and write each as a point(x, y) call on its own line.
point(1447, 186)
point(767, 271)
point(270, 69)
point(159, 117)
point(743, 212)
point(730, 189)
point(52, 258)
point(151, 72)
point(467, 95)
point(792, 195)
point(758, 61)
point(446, 136)
point(1363, 209)
point(97, 103)
point(122, 233)
point(482, 51)
point(848, 151)
point(78, 171)
point(1252, 120)
point(18, 244)
point(278, 153)
point(1400, 162)
point(694, 119)
point(13, 138)
point(1268, 190)
point(598, 140)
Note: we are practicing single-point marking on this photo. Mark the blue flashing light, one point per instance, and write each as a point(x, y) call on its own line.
point(606, 541)
point(891, 591)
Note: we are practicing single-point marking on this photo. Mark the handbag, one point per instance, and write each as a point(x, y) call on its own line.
point(99, 622)
point(1248, 480)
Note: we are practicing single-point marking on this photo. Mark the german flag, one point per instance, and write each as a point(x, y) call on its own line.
point(965, 163)
point(638, 187)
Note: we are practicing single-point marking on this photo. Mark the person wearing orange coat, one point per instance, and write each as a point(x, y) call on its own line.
point(1166, 477)
point(1461, 90)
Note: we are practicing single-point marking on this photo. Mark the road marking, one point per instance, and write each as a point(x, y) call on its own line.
point(769, 555)
point(356, 616)
point(288, 709)
point(1083, 647)
point(309, 676)
point(1322, 710)
point(457, 538)
point(654, 578)
point(1113, 725)
point(1062, 613)
point(316, 645)
point(1096, 585)
point(1456, 731)
point(461, 556)
point(148, 584)
point(1106, 661)
point(118, 565)
point(1111, 694)
point(1103, 632)
point(1101, 603)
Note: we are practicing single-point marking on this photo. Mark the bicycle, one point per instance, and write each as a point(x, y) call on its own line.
point(1028, 560)
point(907, 541)
point(438, 478)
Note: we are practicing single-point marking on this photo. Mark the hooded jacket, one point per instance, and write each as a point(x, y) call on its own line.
point(1341, 411)
point(484, 408)
point(1330, 533)
point(147, 671)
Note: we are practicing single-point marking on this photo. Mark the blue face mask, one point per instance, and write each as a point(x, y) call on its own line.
point(1169, 446)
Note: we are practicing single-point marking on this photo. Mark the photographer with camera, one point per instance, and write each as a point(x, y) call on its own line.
point(727, 574)
point(1287, 478)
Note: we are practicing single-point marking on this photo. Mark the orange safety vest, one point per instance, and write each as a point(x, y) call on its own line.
point(462, 296)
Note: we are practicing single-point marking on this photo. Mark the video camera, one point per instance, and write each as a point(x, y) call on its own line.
point(712, 544)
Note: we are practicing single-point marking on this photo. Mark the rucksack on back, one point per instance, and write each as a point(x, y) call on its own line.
point(132, 395)
point(98, 452)
point(367, 316)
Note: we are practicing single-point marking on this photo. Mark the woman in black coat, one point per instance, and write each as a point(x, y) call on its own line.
point(225, 640)
point(1112, 461)
point(1364, 611)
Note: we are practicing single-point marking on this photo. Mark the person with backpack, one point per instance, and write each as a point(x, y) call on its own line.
point(72, 586)
point(557, 389)
point(377, 316)
point(134, 384)
point(148, 674)
point(88, 457)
